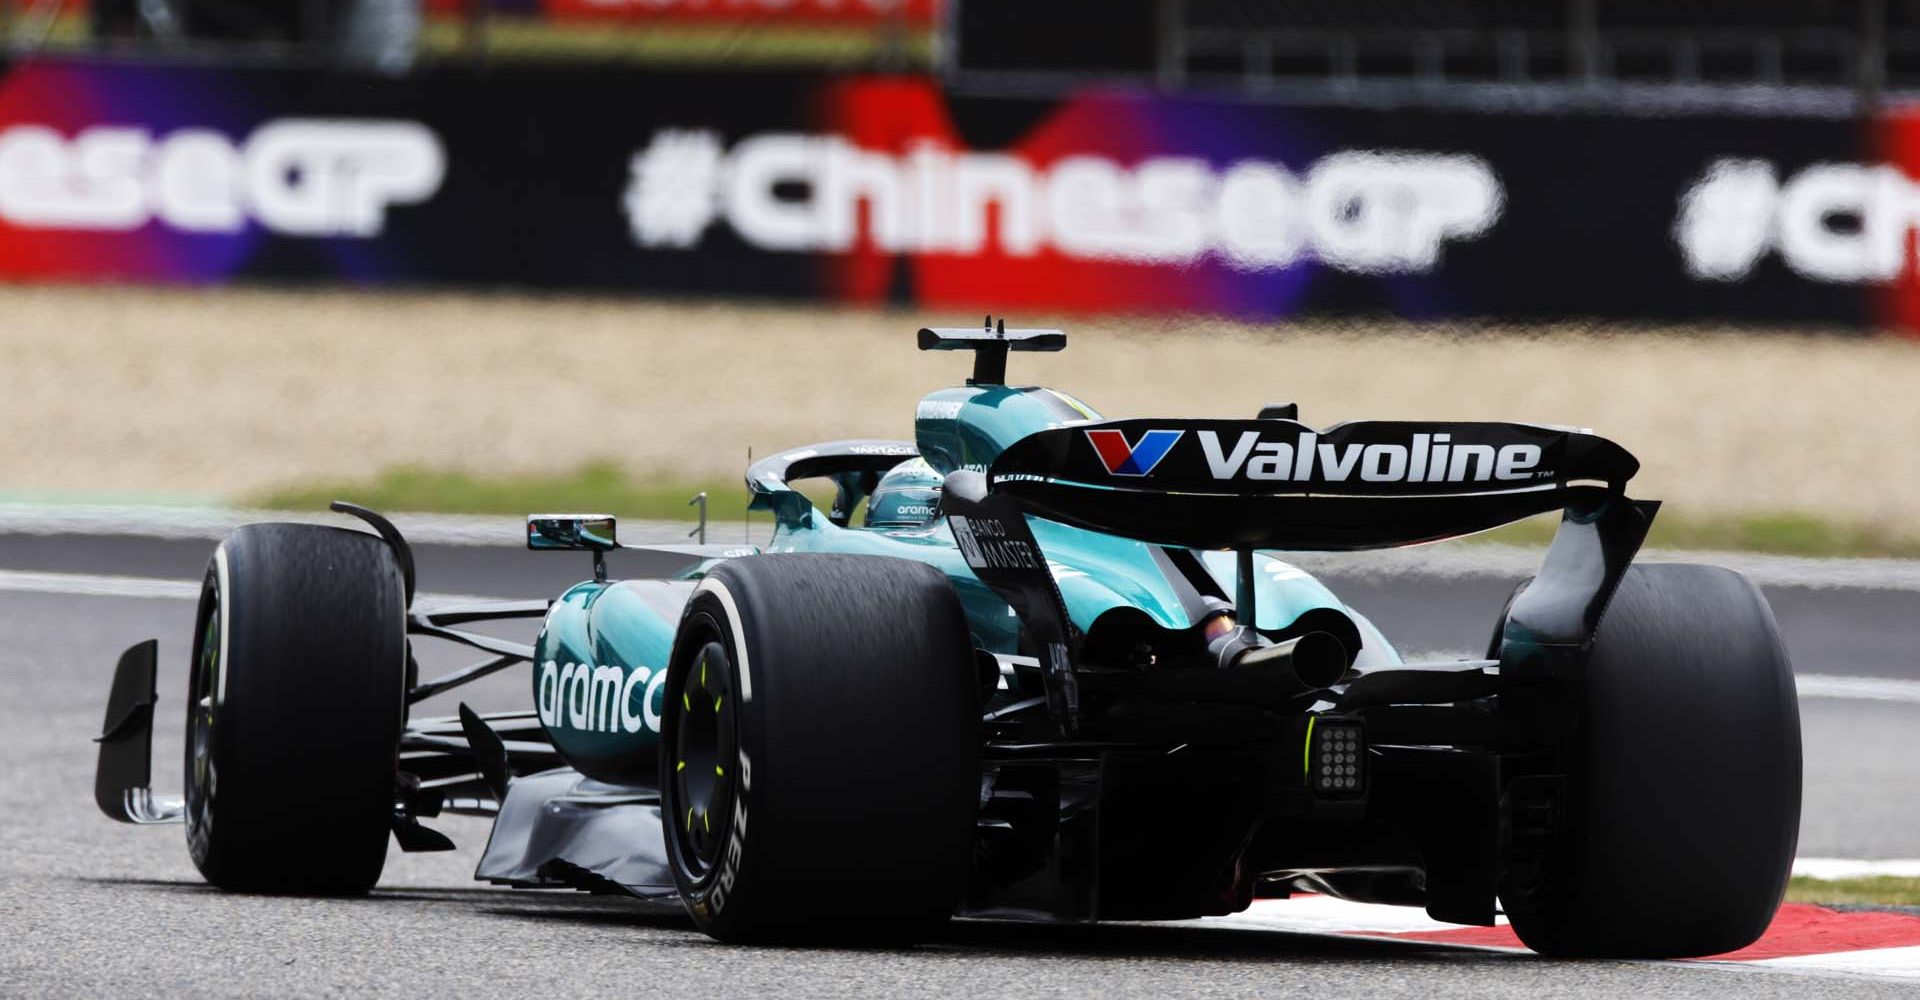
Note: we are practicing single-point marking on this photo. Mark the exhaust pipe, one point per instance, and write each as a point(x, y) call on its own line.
point(1275, 676)
point(1314, 661)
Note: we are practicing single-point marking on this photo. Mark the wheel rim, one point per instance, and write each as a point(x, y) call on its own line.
point(204, 684)
point(703, 760)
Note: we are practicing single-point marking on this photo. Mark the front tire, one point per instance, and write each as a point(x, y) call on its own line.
point(1681, 809)
point(296, 697)
point(820, 750)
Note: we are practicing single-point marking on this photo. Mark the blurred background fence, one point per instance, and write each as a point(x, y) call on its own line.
point(1646, 161)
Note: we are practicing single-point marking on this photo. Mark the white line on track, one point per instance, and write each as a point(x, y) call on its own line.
point(213, 523)
point(85, 585)
point(1834, 868)
point(1810, 685)
point(1872, 963)
point(1886, 689)
point(1858, 688)
point(93, 585)
point(1326, 915)
point(1447, 560)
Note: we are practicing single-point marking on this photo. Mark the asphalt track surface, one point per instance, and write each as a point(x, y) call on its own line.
point(92, 908)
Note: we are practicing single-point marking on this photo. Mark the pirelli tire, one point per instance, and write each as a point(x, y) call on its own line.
point(1681, 805)
point(296, 698)
point(820, 750)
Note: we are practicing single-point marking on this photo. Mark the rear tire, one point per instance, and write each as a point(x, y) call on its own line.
point(296, 697)
point(1681, 810)
point(820, 750)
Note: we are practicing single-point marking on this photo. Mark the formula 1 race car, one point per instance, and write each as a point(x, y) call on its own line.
point(1054, 672)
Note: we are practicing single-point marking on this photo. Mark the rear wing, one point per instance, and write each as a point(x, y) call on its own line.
point(1279, 484)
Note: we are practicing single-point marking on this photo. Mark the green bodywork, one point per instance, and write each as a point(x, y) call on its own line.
point(629, 626)
point(607, 726)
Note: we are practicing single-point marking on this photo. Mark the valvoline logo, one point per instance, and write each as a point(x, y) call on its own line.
point(1136, 459)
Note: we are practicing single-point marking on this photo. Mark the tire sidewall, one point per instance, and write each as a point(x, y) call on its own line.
point(856, 742)
point(711, 895)
point(325, 831)
point(1671, 841)
point(202, 800)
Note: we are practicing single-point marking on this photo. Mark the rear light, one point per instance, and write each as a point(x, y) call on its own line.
point(1336, 757)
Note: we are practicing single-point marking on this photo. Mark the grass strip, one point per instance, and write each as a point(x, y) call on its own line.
point(511, 38)
point(1787, 533)
point(1878, 890)
point(599, 487)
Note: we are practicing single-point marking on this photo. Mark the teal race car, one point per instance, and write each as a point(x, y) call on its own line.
point(1033, 664)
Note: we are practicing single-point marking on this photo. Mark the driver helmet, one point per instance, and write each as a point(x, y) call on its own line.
point(908, 496)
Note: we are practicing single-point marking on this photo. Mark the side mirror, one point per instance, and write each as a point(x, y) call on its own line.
point(577, 532)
